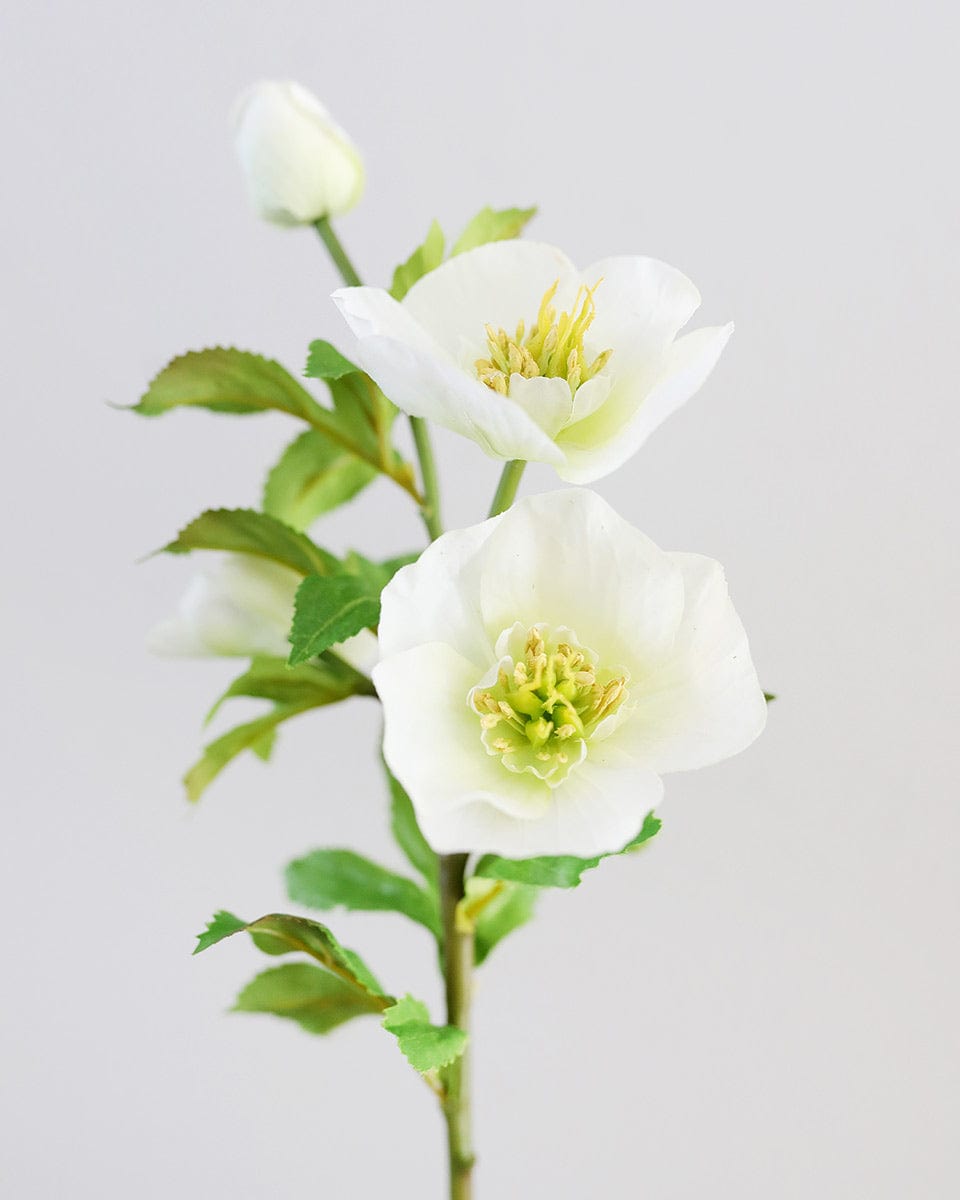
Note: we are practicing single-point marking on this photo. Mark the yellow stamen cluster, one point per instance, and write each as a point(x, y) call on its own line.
point(552, 349)
point(544, 707)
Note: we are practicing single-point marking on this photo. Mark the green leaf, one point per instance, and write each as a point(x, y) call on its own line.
point(426, 1047)
point(253, 735)
point(312, 684)
point(221, 925)
point(769, 697)
point(562, 870)
point(329, 610)
point(490, 225)
point(406, 832)
point(510, 908)
point(315, 999)
point(326, 362)
point(280, 933)
point(227, 381)
point(327, 879)
point(313, 476)
point(427, 257)
point(245, 531)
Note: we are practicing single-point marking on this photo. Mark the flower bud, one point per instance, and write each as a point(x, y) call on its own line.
point(298, 163)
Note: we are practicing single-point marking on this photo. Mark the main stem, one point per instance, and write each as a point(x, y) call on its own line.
point(458, 969)
point(507, 487)
point(430, 508)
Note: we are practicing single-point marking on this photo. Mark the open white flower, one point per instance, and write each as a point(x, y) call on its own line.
point(511, 345)
point(540, 671)
point(298, 163)
point(239, 606)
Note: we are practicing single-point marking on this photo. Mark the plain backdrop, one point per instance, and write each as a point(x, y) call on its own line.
point(763, 1004)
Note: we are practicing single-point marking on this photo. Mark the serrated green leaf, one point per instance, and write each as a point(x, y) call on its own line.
point(327, 879)
point(563, 870)
point(313, 683)
point(490, 225)
point(311, 477)
point(512, 906)
point(325, 361)
point(427, 257)
point(329, 610)
point(315, 999)
point(253, 735)
point(246, 531)
point(281, 933)
point(407, 834)
point(221, 925)
point(426, 1047)
point(226, 380)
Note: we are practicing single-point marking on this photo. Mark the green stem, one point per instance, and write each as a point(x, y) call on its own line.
point(507, 487)
point(336, 251)
point(458, 970)
point(430, 506)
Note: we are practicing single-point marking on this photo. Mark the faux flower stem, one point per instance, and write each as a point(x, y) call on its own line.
point(507, 487)
point(341, 260)
point(458, 969)
point(430, 507)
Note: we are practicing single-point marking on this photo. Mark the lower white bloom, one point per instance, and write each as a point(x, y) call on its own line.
point(239, 606)
point(540, 671)
point(512, 346)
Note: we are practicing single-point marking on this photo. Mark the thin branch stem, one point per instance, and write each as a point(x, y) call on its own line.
point(507, 487)
point(430, 502)
point(458, 971)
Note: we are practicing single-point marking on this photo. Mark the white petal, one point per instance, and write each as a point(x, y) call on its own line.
point(498, 284)
point(567, 558)
point(636, 406)
point(595, 811)
point(642, 303)
point(547, 401)
point(432, 738)
point(589, 396)
point(238, 607)
point(705, 703)
point(437, 598)
point(420, 377)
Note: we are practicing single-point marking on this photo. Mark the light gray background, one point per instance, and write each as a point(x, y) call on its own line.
point(765, 1003)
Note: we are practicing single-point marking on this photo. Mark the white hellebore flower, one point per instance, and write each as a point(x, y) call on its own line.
point(540, 671)
point(511, 345)
point(241, 607)
point(298, 163)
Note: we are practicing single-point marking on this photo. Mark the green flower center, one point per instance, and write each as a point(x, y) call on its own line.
point(548, 700)
point(553, 349)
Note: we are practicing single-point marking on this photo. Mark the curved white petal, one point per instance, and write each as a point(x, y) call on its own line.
point(642, 304)
point(705, 702)
point(595, 811)
point(437, 599)
point(568, 558)
point(546, 401)
point(498, 284)
point(637, 405)
point(421, 378)
point(432, 738)
point(238, 607)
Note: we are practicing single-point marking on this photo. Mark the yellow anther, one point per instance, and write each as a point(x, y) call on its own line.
point(553, 348)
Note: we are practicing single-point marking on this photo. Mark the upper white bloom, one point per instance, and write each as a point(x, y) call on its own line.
point(514, 347)
point(540, 671)
point(241, 607)
point(298, 163)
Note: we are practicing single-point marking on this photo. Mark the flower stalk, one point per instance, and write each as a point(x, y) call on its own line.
point(458, 972)
point(430, 504)
point(507, 487)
